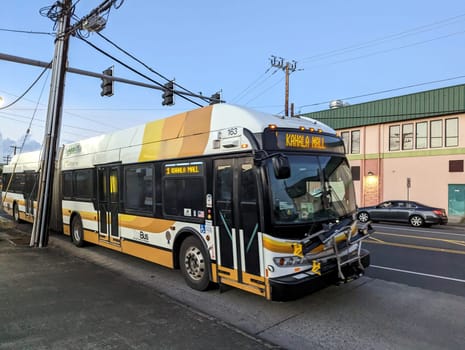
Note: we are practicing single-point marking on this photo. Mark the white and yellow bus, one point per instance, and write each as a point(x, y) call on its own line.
point(19, 192)
point(228, 195)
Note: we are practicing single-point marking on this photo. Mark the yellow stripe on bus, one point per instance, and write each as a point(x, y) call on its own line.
point(182, 135)
point(151, 225)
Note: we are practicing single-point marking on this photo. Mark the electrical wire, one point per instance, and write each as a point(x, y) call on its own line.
point(25, 31)
point(382, 116)
point(29, 88)
point(379, 41)
point(255, 84)
point(16, 117)
point(264, 91)
point(144, 64)
point(390, 49)
point(391, 37)
point(384, 91)
point(132, 69)
point(34, 114)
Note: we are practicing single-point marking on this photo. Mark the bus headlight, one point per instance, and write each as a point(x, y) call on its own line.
point(290, 261)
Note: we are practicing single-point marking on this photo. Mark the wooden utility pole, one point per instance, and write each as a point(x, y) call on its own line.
point(288, 68)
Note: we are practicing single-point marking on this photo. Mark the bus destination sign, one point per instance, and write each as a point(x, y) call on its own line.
point(184, 169)
point(296, 140)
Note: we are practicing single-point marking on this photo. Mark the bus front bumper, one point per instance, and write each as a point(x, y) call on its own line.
point(300, 284)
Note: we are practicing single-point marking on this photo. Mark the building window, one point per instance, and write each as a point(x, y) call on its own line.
point(456, 166)
point(407, 136)
point(355, 142)
point(452, 132)
point(421, 135)
point(436, 133)
point(345, 135)
point(394, 138)
point(355, 170)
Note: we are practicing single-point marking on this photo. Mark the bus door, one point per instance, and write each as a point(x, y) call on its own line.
point(108, 202)
point(237, 222)
point(30, 192)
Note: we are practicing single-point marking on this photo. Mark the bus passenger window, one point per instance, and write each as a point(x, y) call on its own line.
point(139, 188)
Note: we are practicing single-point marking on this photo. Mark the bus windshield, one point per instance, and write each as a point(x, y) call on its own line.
point(319, 189)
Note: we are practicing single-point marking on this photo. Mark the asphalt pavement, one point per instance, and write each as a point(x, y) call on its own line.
point(51, 299)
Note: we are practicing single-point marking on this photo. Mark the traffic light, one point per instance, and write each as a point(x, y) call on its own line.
point(168, 94)
point(107, 84)
point(215, 98)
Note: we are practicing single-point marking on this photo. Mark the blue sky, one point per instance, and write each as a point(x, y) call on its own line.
point(342, 48)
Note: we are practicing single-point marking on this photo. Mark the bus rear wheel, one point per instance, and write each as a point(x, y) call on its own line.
point(77, 232)
point(194, 264)
point(16, 213)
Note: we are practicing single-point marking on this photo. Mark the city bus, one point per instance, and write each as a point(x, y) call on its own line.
point(20, 186)
point(228, 195)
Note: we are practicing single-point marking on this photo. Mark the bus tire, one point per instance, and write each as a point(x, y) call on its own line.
point(16, 213)
point(194, 264)
point(77, 232)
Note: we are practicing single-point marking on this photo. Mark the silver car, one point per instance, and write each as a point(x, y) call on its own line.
point(414, 213)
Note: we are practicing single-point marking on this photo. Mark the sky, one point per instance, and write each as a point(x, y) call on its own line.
point(356, 51)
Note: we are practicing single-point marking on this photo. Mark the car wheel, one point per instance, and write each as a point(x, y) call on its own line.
point(77, 232)
point(194, 264)
point(416, 221)
point(363, 217)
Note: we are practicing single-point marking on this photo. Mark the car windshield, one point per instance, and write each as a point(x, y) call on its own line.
point(319, 189)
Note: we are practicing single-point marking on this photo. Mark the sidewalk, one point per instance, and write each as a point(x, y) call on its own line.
point(50, 299)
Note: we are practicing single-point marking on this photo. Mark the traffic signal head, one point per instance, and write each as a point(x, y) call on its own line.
point(107, 84)
point(168, 94)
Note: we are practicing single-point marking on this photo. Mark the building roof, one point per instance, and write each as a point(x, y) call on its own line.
point(443, 101)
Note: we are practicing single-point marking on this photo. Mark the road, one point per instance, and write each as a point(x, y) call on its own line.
point(432, 258)
point(368, 313)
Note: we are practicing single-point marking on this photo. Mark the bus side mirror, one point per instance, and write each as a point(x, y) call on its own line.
point(281, 167)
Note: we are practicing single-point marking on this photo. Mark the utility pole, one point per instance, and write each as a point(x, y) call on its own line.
point(288, 68)
point(14, 149)
point(39, 236)
point(91, 22)
point(7, 159)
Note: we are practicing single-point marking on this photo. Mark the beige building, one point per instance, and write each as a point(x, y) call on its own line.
point(406, 147)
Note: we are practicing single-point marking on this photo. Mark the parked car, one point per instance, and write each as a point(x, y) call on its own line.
point(414, 213)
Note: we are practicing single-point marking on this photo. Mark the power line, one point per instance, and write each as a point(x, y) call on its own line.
point(375, 42)
point(24, 31)
point(378, 41)
point(132, 69)
point(28, 89)
point(254, 82)
point(264, 91)
point(391, 49)
point(15, 117)
point(386, 91)
point(381, 116)
point(144, 64)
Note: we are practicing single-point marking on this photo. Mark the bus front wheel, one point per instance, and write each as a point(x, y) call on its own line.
point(194, 264)
point(77, 232)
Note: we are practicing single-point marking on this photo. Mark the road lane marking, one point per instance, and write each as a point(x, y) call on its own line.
point(376, 239)
point(413, 246)
point(417, 231)
point(418, 273)
point(421, 237)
